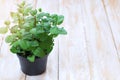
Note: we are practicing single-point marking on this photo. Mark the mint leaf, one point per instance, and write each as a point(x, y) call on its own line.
point(34, 43)
point(56, 30)
point(3, 30)
point(7, 22)
point(16, 43)
point(10, 38)
point(40, 30)
point(14, 29)
point(40, 9)
point(24, 44)
point(31, 58)
point(60, 19)
point(33, 31)
point(14, 49)
point(27, 10)
point(33, 12)
point(39, 52)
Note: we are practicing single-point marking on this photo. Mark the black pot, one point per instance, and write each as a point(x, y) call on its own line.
point(33, 68)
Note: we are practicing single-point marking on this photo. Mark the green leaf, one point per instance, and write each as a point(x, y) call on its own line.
point(60, 19)
point(47, 26)
point(40, 30)
point(42, 14)
point(47, 46)
point(16, 43)
point(10, 38)
point(41, 36)
point(7, 22)
point(49, 49)
point(29, 19)
point(13, 14)
point(21, 5)
point(34, 43)
point(28, 25)
point(33, 12)
point(46, 43)
point(24, 44)
point(40, 9)
point(39, 52)
point(21, 10)
point(3, 30)
point(14, 29)
point(22, 31)
point(33, 31)
point(56, 30)
point(13, 49)
point(62, 31)
point(27, 10)
point(55, 18)
point(27, 36)
point(31, 58)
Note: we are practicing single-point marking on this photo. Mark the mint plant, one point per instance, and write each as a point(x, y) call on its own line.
point(32, 31)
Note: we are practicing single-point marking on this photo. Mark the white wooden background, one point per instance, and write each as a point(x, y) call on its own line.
point(90, 50)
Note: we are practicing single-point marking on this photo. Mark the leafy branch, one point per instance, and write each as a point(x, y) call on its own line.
point(32, 31)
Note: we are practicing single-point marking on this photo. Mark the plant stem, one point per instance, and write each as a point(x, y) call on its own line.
point(35, 21)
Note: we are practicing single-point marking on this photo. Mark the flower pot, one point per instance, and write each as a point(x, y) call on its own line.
point(33, 68)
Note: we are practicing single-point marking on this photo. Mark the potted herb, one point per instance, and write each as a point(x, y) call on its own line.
point(31, 36)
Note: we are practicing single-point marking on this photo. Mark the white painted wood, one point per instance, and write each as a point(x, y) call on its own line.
point(87, 52)
point(113, 11)
point(9, 65)
point(102, 55)
point(73, 61)
point(51, 6)
point(52, 64)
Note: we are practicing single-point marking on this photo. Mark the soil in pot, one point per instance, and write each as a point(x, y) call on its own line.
point(33, 68)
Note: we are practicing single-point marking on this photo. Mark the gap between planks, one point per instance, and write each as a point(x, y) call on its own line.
point(106, 13)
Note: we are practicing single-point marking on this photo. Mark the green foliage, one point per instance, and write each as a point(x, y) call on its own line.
point(3, 30)
point(56, 30)
point(32, 31)
point(7, 23)
point(31, 58)
point(10, 38)
point(39, 52)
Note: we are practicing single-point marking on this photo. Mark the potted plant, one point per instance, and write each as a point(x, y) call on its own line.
point(31, 36)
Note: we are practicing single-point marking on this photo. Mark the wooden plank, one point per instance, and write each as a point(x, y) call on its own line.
point(9, 67)
point(52, 64)
point(73, 61)
point(113, 12)
point(102, 54)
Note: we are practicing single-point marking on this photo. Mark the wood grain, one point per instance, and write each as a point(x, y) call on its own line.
point(73, 61)
point(90, 50)
point(113, 14)
point(104, 62)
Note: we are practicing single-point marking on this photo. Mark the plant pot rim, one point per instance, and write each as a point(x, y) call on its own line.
point(36, 58)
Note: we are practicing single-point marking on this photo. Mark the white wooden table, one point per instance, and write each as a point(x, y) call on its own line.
point(90, 50)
